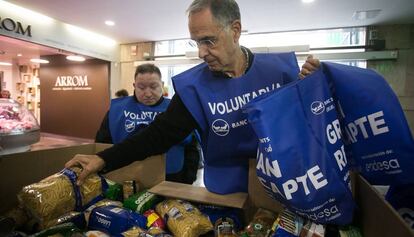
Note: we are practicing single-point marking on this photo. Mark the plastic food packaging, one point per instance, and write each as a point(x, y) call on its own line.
point(134, 232)
point(261, 224)
point(114, 191)
point(115, 220)
point(58, 194)
point(183, 219)
point(67, 229)
point(142, 201)
point(157, 232)
point(290, 224)
point(154, 220)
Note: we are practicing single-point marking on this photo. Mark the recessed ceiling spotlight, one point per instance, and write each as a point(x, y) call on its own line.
point(307, 1)
point(38, 60)
point(5, 64)
point(19, 55)
point(109, 23)
point(76, 58)
point(364, 15)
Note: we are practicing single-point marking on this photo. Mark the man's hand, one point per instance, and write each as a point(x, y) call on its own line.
point(90, 164)
point(311, 65)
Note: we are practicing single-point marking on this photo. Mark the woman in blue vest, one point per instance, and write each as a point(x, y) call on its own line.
point(129, 115)
point(209, 98)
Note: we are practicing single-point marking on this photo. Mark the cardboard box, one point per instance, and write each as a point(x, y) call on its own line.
point(21, 169)
point(375, 216)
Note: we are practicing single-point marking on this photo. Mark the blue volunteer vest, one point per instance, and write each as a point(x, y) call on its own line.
point(228, 141)
point(127, 117)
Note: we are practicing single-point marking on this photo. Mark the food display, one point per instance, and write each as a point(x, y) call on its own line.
point(18, 127)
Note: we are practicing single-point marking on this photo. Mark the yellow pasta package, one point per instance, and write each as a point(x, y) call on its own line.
point(183, 219)
point(58, 194)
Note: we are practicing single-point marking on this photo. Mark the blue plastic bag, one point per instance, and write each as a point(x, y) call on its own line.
point(401, 197)
point(301, 161)
point(378, 138)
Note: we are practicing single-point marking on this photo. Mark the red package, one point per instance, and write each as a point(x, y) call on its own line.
point(154, 220)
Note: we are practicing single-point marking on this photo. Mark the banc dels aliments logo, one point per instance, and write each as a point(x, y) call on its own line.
point(220, 127)
point(317, 107)
point(129, 125)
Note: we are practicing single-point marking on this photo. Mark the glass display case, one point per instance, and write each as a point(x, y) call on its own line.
point(18, 127)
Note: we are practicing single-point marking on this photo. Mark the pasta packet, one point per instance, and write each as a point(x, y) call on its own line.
point(183, 219)
point(58, 194)
point(134, 232)
point(115, 220)
point(157, 232)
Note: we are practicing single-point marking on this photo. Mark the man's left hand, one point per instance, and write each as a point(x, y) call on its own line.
point(311, 65)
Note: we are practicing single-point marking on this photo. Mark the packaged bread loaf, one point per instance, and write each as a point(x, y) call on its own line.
point(183, 219)
point(58, 194)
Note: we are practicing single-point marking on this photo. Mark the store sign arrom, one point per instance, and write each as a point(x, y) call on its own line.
point(10, 25)
point(75, 82)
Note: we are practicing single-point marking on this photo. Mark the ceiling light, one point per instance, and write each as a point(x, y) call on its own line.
point(364, 15)
point(76, 58)
point(109, 23)
point(307, 1)
point(38, 60)
point(19, 55)
point(5, 64)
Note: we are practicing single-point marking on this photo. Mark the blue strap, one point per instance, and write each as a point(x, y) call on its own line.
point(73, 177)
point(78, 197)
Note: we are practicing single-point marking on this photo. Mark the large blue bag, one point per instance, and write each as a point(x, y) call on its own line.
point(301, 160)
point(378, 138)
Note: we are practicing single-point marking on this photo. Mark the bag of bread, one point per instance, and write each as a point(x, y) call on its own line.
point(58, 194)
point(183, 219)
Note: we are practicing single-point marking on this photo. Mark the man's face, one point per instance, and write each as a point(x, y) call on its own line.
point(148, 88)
point(220, 56)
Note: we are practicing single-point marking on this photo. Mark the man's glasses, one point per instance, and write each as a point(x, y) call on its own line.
point(209, 43)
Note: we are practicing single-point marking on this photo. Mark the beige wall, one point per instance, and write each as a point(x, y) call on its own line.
point(129, 54)
point(399, 73)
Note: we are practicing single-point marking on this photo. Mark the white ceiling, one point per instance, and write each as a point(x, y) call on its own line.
point(152, 20)
point(139, 20)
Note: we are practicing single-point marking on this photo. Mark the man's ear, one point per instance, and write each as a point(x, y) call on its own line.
point(236, 29)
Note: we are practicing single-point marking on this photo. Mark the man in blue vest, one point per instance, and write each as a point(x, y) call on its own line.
point(129, 115)
point(209, 98)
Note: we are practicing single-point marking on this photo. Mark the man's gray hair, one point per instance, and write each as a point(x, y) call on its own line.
point(223, 11)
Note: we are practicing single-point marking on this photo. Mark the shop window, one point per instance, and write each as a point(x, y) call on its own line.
point(326, 41)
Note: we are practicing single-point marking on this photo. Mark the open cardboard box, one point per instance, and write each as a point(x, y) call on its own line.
point(375, 216)
point(21, 169)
